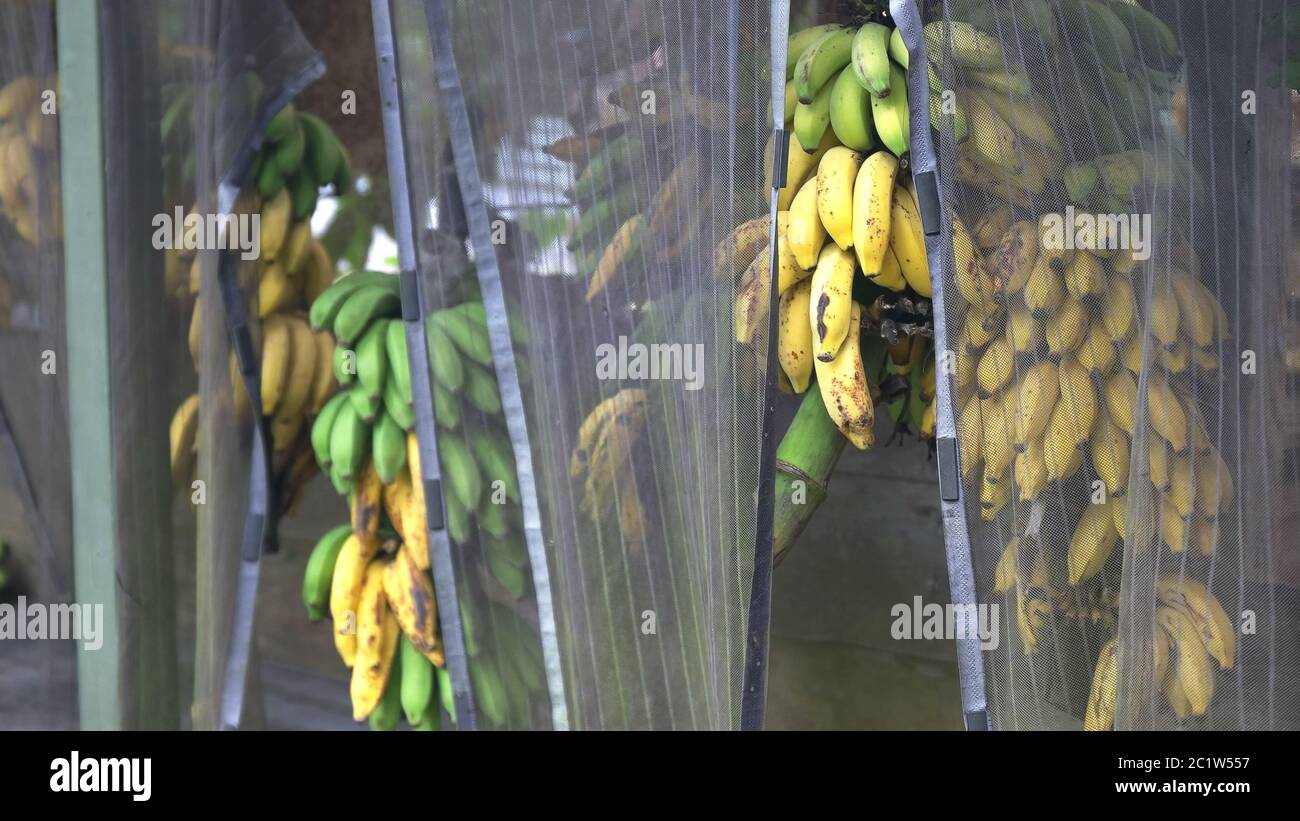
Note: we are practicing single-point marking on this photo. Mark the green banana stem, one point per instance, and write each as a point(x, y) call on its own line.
point(807, 454)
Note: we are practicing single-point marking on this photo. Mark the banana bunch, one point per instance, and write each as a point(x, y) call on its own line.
point(29, 133)
point(602, 461)
point(1192, 634)
point(506, 678)
point(300, 154)
point(371, 577)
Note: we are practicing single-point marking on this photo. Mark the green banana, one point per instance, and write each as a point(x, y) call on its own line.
point(368, 303)
point(322, 148)
point(512, 578)
point(269, 180)
point(403, 412)
point(821, 61)
point(372, 358)
point(599, 222)
point(481, 389)
point(445, 407)
point(417, 683)
point(399, 364)
point(971, 48)
point(444, 693)
point(960, 128)
point(460, 472)
point(344, 365)
point(850, 111)
point(282, 124)
point(343, 174)
point(326, 307)
point(342, 486)
point(799, 42)
point(509, 548)
point(1005, 82)
point(898, 49)
point(289, 151)
point(388, 711)
point(1094, 23)
point(303, 195)
point(466, 325)
point(497, 459)
point(812, 119)
point(319, 575)
point(489, 692)
point(349, 443)
point(890, 115)
point(492, 518)
point(320, 428)
point(458, 523)
point(448, 370)
point(606, 168)
point(431, 721)
point(870, 58)
point(365, 405)
point(388, 448)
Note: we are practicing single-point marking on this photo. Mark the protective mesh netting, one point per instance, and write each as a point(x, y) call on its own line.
point(618, 143)
point(35, 500)
point(1123, 395)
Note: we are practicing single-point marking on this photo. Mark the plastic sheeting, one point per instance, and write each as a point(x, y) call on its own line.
point(585, 115)
point(1121, 385)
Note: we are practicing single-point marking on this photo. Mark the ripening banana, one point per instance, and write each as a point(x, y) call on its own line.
point(1163, 316)
point(836, 176)
point(891, 273)
point(1192, 674)
point(1197, 315)
point(993, 137)
point(1024, 330)
point(1117, 308)
point(277, 361)
point(409, 594)
point(970, 432)
point(992, 225)
point(1036, 393)
point(1120, 393)
point(795, 343)
point(1012, 261)
point(1165, 412)
point(183, 435)
point(1200, 606)
point(1084, 275)
point(1182, 486)
point(1079, 395)
point(907, 239)
point(1030, 469)
point(1028, 116)
point(1131, 351)
point(1062, 457)
point(1096, 353)
point(799, 166)
point(996, 367)
point(1173, 527)
point(831, 302)
point(788, 270)
point(994, 495)
point(970, 47)
point(998, 429)
point(873, 192)
point(1100, 712)
point(1066, 329)
point(969, 273)
point(345, 593)
point(377, 635)
point(1109, 450)
point(1004, 572)
point(1093, 541)
point(1044, 289)
point(801, 40)
point(804, 229)
point(979, 329)
point(734, 252)
point(843, 383)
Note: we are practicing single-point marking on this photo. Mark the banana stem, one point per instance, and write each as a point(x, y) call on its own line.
point(804, 462)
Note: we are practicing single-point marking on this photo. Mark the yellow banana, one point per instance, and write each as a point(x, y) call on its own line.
point(996, 367)
point(1096, 353)
point(805, 231)
point(1093, 541)
point(345, 593)
point(377, 635)
point(276, 290)
point(907, 239)
point(1044, 290)
point(1163, 317)
point(970, 432)
point(873, 192)
point(1004, 573)
point(1066, 329)
point(183, 436)
point(1109, 448)
point(410, 597)
point(1012, 261)
point(1100, 712)
point(277, 361)
point(969, 274)
point(1206, 614)
point(799, 166)
point(293, 406)
point(1025, 332)
point(1084, 275)
point(843, 383)
point(831, 302)
point(1036, 393)
point(737, 250)
point(1192, 674)
point(274, 224)
point(1079, 395)
point(1117, 308)
point(795, 343)
point(1165, 412)
point(1120, 393)
point(836, 176)
point(1197, 313)
point(1030, 469)
point(997, 432)
point(991, 225)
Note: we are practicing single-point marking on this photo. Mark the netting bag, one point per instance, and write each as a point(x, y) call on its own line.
point(616, 147)
point(1112, 179)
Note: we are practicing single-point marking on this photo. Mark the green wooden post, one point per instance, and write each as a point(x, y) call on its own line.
point(117, 416)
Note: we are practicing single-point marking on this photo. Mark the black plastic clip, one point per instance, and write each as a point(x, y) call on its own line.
point(945, 451)
point(410, 289)
point(977, 721)
point(927, 201)
point(436, 517)
point(254, 525)
point(780, 157)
